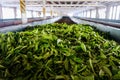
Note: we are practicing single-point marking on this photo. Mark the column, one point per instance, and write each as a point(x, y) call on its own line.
point(44, 9)
point(1, 12)
point(83, 13)
point(15, 12)
point(112, 12)
point(107, 12)
point(51, 11)
point(39, 13)
point(23, 11)
point(119, 14)
point(90, 13)
point(32, 14)
point(97, 13)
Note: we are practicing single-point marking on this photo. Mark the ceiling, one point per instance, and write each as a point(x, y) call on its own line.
point(65, 6)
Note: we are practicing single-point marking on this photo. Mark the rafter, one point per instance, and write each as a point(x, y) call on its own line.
point(61, 5)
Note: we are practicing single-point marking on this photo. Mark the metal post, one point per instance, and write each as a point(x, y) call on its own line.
point(83, 14)
point(119, 14)
point(32, 14)
point(39, 13)
point(1, 12)
point(90, 13)
point(97, 13)
point(15, 12)
point(51, 11)
point(87, 13)
point(23, 11)
point(44, 9)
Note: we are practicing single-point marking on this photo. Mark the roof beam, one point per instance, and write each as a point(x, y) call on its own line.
point(86, 0)
point(60, 0)
point(70, 5)
point(65, 0)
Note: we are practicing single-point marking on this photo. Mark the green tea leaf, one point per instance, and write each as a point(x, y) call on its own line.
point(107, 70)
point(101, 73)
point(2, 67)
point(83, 47)
point(91, 65)
point(66, 64)
point(117, 76)
point(45, 56)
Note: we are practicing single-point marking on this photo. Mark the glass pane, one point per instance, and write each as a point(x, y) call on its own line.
point(93, 13)
point(18, 13)
point(88, 14)
point(7, 10)
point(111, 12)
point(29, 14)
point(117, 12)
point(102, 12)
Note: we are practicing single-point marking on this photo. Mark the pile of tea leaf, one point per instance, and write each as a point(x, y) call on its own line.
point(58, 52)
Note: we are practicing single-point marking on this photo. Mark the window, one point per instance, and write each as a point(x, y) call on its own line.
point(111, 12)
point(88, 14)
point(117, 12)
point(35, 14)
point(93, 13)
point(7, 10)
point(18, 13)
point(29, 14)
point(85, 14)
point(102, 12)
point(114, 12)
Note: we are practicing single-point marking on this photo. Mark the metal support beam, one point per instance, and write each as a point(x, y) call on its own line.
point(15, 12)
point(97, 12)
point(83, 14)
point(90, 13)
point(39, 13)
point(44, 9)
point(119, 14)
point(64, 0)
point(32, 14)
point(51, 11)
point(84, 0)
point(23, 11)
point(1, 12)
point(67, 5)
